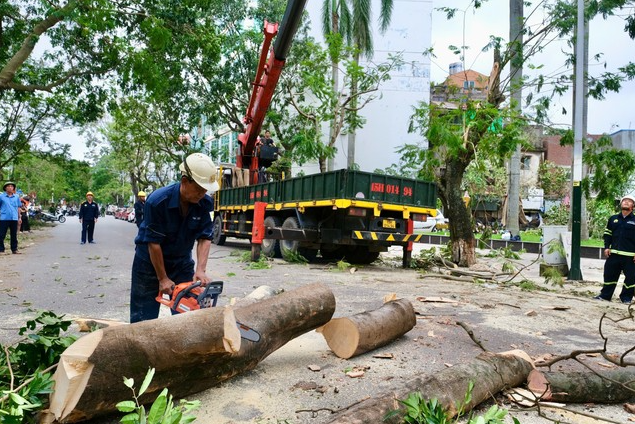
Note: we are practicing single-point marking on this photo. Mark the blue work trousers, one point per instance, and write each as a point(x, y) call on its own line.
point(12, 227)
point(613, 267)
point(145, 285)
point(88, 226)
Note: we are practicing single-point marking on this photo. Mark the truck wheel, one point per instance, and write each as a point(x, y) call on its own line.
point(217, 232)
point(271, 247)
point(291, 248)
point(360, 255)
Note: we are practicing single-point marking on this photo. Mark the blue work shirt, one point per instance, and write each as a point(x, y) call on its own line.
point(89, 211)
point(163, 224)
point(9, 207)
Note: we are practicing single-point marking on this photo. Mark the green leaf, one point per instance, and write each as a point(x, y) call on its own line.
point(142, 415)
point(130, 418)
point(129, 382)
point(146, 381)
point(126, 406)
point(158, 408)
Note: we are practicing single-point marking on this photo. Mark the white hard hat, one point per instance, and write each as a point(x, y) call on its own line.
point(201, 169)
point(628, 197)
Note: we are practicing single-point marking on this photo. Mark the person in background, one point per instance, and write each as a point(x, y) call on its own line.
point(268, 141)
point(174, 218)
point(138, 208)
point(10, 218)
point(619, 250)
point(24, 212)
point(88, 214)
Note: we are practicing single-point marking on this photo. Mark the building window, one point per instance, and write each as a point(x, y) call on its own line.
point(525, 163)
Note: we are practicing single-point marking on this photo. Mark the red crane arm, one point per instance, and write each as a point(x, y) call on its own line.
point(264, 85)
point(272, 60)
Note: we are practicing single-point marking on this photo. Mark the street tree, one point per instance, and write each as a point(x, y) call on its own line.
point(144, 141)
point(350, 22)
point(457, 136)
point(81, 55)
point(316, 101)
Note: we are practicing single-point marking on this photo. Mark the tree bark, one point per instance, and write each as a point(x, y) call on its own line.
point(610, 386)
point(352, 336)
point(460, 217)
point(490, 373)
point(191, 352)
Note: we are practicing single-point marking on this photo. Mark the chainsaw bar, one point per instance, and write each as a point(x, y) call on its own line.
point(248, 333)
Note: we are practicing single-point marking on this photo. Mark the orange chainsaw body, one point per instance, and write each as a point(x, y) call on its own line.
point(191, 296)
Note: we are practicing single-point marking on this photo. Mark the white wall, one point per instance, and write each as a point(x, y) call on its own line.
point(387, 116)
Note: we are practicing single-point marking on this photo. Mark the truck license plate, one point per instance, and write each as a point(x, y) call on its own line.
point(389, 223)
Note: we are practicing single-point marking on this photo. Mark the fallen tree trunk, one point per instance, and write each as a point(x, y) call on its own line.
point(357, 334)
point(490, 373)
point(611, 386)
point(191, 352)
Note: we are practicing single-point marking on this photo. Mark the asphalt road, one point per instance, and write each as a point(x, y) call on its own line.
point(55, 272)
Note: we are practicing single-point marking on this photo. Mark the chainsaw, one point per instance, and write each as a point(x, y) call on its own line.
point(192, 296)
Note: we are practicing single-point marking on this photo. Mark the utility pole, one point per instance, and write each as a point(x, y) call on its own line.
point(575, 272)
point(516, 16)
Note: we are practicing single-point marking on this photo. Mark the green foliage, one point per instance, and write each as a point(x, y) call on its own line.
point(262, 263)
point(25, 382)
point(485, 180)
point(553, 276)
point(528, 285)
point(423, 411)
point(508, 267)
point(607, 166)
point(162, 411)
point(557, 215)
point(505, 252)
point(427, 258)
point(339, 105)
point(553, 179)
point(599, 212)
point(342, 265)
point(294, 257)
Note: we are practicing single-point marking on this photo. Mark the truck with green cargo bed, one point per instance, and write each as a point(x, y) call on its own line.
point(343, 214)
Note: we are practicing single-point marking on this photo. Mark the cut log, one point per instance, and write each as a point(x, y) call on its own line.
point(490, 373)
point(191, 352)
point(611, 386)
point(357, 334)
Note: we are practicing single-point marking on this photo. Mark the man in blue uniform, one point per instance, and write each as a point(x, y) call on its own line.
point(619, 250)
point(174, 218)
point(88, 214)
point(10, 218)
point(138, 208)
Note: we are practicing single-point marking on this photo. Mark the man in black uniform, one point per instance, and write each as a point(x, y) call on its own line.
point(88, 214)
point(175, 217)
point(619, 249)
point(138, 208)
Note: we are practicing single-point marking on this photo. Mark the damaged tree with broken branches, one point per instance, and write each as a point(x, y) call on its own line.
point(466, 131)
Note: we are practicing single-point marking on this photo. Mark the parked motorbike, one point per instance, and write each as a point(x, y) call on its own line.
point(49, 217)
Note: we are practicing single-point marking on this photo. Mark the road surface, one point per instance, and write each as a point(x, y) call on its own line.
point(55, 272)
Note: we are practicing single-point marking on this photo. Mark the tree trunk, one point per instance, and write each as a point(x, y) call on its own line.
point(490, 373)
point(459, 216)
point(352, 336)
point(618, 385)
point(191, 352)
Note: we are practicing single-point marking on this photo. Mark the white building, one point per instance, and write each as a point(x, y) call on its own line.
point(387, 116)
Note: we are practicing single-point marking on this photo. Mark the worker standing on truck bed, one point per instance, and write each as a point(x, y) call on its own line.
point(174, 218)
